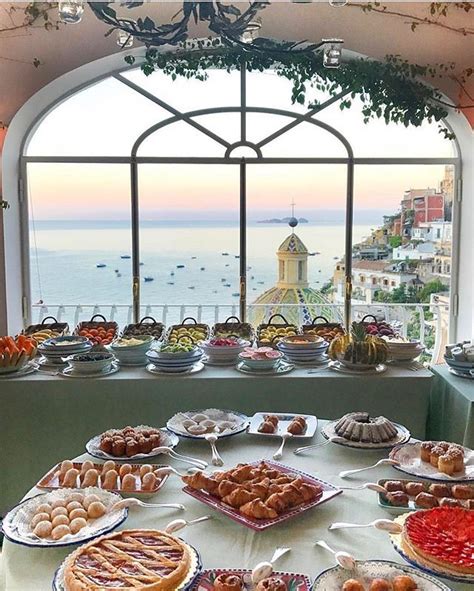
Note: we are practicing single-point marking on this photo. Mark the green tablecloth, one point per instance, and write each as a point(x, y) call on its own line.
point(44, 419)
point(451, 407)
point(224, 543)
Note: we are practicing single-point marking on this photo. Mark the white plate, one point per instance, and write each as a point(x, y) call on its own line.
point(334, 578)
point(216, 414)
point(220, 363)
point(338, 366)
point(408, 456)
point(324, 360)
point(403, 436)
point(68, 372)
point(282, 367)
point(30, 367)
point(196, 368)
point(16, 524)
point(168, 440)
point(285, 420)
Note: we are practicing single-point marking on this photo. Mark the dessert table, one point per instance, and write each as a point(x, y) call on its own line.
point(45, 418)
point(224, 543)
point(451, 407)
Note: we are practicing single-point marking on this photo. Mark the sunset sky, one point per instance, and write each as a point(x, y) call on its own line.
point(106, 119)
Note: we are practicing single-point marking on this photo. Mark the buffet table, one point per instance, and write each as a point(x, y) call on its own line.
point(451, 407)
point(224, 543)
point(45, 418)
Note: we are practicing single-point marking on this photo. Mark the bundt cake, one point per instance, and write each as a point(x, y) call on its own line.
point(359, 426)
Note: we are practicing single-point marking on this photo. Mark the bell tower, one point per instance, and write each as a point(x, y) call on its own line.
point(292, 257)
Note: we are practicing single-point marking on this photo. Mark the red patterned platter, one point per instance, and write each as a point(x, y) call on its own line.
point(441, 539)
point(326, 492)
point(205, 581)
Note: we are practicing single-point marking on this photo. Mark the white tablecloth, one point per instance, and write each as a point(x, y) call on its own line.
point(224, 543)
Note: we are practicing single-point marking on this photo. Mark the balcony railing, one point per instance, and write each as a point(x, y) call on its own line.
point(426, 322)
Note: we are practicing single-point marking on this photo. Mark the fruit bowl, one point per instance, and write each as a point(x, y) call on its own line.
point(173, 351)
point(87, 363)
point(401, 349)
point(260, 358)
point(135, 343)
point(359, 350)
point(15, 353)
point(303, 342)
point(224, 349)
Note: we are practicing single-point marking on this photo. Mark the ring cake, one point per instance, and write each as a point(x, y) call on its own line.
point(359, 426)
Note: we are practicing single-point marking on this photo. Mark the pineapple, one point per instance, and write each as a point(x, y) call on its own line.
point(358, 347)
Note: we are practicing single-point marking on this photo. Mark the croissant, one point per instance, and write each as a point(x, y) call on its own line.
point(226, 487)
point(293, 494)
point(310, 491)
point(239, 497)
point(278, 501)
point(260, 489)
point(257, 509)
point(283, 479)
point(242, 473)
point(201, 481)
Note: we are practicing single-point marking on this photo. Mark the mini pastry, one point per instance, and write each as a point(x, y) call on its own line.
point(447, 502)
point(352, 585)
point(414, 488)
point(87, 465)
point(197, 429)
point(43, 529)
point(436, 453)
point(198, 418)
point(108, 465)
point(394, 485)
point(446, 464)
point(91, 478)
point(73, 505)
point(208, 423)
point(458, 456)
point(223, 425)
point(59, 511)
point(462, 491)
point(380, 585)
point(273, 419)
point(296, 427)
point(149, 481)
point(425, 450)
point(144, 469)
point(187, 423)
point(106, 444)
point(439, 490)
point(444, 444)
point(77, 524)
point(38, 518)
point(78, 513)
point(426, 501)
point(118, 447)
point(257, 509)
point(404, 583)
point(65, 466)
point(70, 478)
point(60, 531)
point(90, 499)
point(397, 498)
point(128, 482)
point(124, 469)
point(79, 497)
point(225, 582)
point(110, 480)
point(266, 427)
point(95, 510)
point(58, 503)
point(44, 508)
point(271, 584)
point(60, 520)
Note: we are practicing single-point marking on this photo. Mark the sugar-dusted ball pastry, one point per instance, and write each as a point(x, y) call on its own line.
point(96, 509)
point(128, 482)
point(59, 503)
point(79, 512)
point(76, 496)
point(77, 524)
point(110, 480)
point(108, 465)
point(73, 505)
point(197, 429)
point(44, 508)
point(60, 520)
point(89, 499)
point(38, 518)
point(91, 478)
point(60, 531)
point(125, 469)
point(64, 468)
point(70, 478)
point(43, 529)
point(149, 481)
point(59, 511)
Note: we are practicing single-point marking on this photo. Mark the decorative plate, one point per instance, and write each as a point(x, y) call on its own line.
point(16, 524)
point(329, 492)
point(196, 368)
point(50, 481)
point(196, 567)
point(427, 567)
point(205, 581)
point(403, 436)
point(285, 419)
point(168, 440)
point(240, 420)
point(409, 462)
point(338, 366)
point(333, 578)
point(68, 372)
point(27, 369)
point(281, 368)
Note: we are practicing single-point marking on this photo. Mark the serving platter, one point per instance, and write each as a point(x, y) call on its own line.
point(68, 372)
point(194, 571)
point(196, 368)
point(50, 481)
point(369, 370)
point(167, 440)
point(333, 578)
point(16, 524)
point(329, 432)
point(281, 368)
point(175, 425)
point(329, 491)
point(285, 419)
point(26, 370)
point(408, 461)
point(205, 580)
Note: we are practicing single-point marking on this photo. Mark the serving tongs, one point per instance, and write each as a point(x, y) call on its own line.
point(133, 502)
point(201, 464)
point(388, 525)
point(178, 524)
point(383, 462)
point(263, 570)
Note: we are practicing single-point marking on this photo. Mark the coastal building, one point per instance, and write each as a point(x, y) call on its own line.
point(414, 252)
point(437, 232)
point(422, 205)
point(291, 296)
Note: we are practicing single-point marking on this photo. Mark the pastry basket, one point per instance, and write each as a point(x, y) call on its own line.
point(233, 327)
point(325, 329)
point(287, 327)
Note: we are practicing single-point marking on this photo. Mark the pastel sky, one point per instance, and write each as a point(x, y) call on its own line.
point(105, 120)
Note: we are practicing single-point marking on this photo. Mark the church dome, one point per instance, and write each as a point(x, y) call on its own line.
point(293, 244)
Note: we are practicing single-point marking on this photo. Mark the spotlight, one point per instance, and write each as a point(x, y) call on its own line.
point(332, 53)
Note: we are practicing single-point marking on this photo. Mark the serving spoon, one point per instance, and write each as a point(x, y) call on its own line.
point(186, 459)
point(178, 524)
point(343, 559)
point(382, 524)
point(334, 439)
point(167, 470)
point(383, 462)
point(368, 485)
point(279, 452)
point(133, 502)
point(216, 458)
point(263, 570)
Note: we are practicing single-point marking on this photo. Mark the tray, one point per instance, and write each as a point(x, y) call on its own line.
point(403, 436)
point(409, 462)
point(50, 481)
point(205, 581)
point(329, 492)
point(216, 414)
point(285, 420)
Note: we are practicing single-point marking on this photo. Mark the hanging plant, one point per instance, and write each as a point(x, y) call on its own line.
point(390, 89)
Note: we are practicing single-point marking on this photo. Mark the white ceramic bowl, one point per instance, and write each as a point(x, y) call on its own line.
point(302, 342)
point(157, 353)
point(90, 362)
point(266, 363)
point(121, 346)
point(224, 353)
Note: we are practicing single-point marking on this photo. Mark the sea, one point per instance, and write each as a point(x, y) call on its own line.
point(190, 263)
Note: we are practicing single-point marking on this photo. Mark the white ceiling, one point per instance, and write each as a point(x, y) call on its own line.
point(375, 35)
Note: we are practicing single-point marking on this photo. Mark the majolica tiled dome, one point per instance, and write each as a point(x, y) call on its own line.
point(293, 244)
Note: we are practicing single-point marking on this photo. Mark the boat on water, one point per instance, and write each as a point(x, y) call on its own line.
point(223, 279)
point(116, 271)
point(172, 273)
point(203, 268)
point(141, 264)
point(317, 252)
point(170, 282)
point(226, 284)
point(227, 265)
point(148, 279)
point(118, 275)
point(236, 256)
point(252, 277)
point(335, 258)
point(236, 295)
point(191, 287)
point(101, 265)
point(180, 266)
point(225, 254)
point(193, 258)
point(311, 254)
point(125, 256)
point(261, 282)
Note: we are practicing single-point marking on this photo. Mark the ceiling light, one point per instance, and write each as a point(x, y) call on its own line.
point(71, 11)
point(337, 3)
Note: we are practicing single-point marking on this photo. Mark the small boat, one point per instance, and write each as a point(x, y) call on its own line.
point(203, 268)
point(223, 279)
point(101, 265)
point(148, 279)
point(170, 282)
point(311, 254)
point(225, 254)
point(261, 282)
point(116, 270)
point(319, 271)
point(236, 256)
point(125, 256)
point(172, 273)
point(118, 275)
point(180, 266)
point(317, 252)
point(214, 291)
point(254, 289)
point(193, 258)
point(335, 258)
point(226, 284)
point(227, 265)
point(236, 295)
point(141, 264)
point(191, 287)
point(252, 277)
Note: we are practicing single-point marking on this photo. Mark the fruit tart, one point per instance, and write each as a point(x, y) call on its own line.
point(140, 559)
